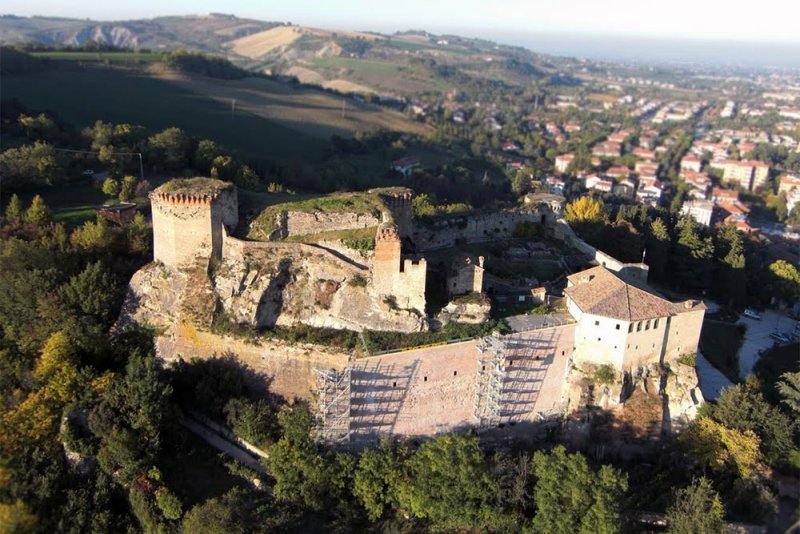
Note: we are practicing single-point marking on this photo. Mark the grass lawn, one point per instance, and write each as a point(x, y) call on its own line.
point(720, 343)
point(71, 204)
point(82, 94)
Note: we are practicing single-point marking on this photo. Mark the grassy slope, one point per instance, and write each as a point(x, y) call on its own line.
point(85, 94)
point(309, 111)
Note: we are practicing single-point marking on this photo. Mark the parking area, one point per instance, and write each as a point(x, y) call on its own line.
point(758, 337)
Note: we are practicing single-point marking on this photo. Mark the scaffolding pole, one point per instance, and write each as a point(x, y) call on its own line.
point(333, 407)
point(491, 374)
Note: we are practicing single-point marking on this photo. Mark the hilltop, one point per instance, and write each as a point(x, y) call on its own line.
point(398, 65)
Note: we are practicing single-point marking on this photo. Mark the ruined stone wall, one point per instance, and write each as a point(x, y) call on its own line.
point(630, 271)
point(445, 232)
point(400, 205)
point(296, 223)
point(409, 285)
point(190, 227)
point(289, 367)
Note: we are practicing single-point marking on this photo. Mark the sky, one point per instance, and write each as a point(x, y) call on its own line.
point(763, 20)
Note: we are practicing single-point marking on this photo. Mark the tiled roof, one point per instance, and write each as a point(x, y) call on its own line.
point(598, 291)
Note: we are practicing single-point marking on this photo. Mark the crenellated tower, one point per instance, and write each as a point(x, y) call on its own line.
point(400, 204)
point(189, 217)
point(403, 279)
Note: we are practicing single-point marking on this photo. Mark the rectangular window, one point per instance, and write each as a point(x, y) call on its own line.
point(630, 328)
point(647, 325)
point(597, 323)
point(655, 324)
point(639, 326)
point(618, 326)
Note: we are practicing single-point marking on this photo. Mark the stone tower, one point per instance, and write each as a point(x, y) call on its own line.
point(189, 218)
point(400, 204)
point(402, 279)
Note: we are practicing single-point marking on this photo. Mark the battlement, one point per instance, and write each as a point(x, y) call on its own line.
point(188, 219)
point(180, 199)
point(387, 232)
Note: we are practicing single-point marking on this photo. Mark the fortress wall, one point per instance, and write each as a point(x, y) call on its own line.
point(444, 233)
point(294, 223)
point(289, 366)
point(684, 332)
point(634, 271)
point(409, 285)
point(432, 390)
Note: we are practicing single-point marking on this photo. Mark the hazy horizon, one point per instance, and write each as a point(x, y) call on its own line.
point(619, 46)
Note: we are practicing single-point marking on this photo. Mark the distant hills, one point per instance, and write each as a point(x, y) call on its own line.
point(206, 33)
point(404, 63)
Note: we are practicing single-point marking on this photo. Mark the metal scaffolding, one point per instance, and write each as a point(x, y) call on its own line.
point(333, 406)
point(491, 374)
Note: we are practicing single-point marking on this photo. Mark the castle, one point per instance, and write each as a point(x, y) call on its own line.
point(613, 317)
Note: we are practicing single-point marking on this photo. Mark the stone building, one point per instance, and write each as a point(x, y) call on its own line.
point(623, 323)
point(465, 276)
point(189, 217)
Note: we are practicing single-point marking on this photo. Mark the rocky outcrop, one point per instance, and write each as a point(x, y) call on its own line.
point(682, 390)
point(675, 384)
point(470, 309)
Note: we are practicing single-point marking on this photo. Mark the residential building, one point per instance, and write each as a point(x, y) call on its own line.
point(701, 210)
point(607, 149)
point(691, 163)
point(563, 162)
point(406, 165)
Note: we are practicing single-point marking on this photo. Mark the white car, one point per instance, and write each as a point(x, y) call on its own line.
point(88, 172)
point(752, 314)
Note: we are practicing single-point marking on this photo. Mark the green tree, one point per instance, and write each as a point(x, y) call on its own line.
point(448, 482)
point(572, 498)
point(111, 188)
point(742, 407)
point(376, 479)
point(40, 127)
point(207, 151)
point(657, 252)
point(693, 257)
point(789, 388)
point(128, 188)
point(94, 291)
point(247, 178)
point(29, 165)
point(169, 504)
point(38, 212)
point(224, 168)
point(253, 421)
point(14, 211)
point(169, 149)
point(785, 281)
point(228, 514)
point(298, 469)
point(696, 509)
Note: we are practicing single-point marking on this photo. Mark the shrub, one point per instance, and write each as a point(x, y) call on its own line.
point(605, 374)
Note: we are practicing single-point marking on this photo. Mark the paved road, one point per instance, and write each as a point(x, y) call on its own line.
point(757, 337)
point(711, 379)
point(223, 445)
